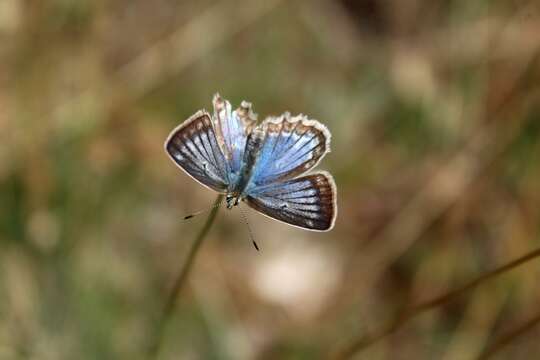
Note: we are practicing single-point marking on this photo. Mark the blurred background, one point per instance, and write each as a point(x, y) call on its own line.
point(434, 107)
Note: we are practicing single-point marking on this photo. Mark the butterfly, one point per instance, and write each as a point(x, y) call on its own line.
point(263, 165)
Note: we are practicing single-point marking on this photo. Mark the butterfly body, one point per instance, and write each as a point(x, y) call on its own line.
point(260, 164)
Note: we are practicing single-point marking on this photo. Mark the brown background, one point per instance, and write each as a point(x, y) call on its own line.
point(435, 115)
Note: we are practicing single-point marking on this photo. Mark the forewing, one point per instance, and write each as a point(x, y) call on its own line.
point(291, 147)
point(308, 202)
point(232, 129)
point(193, 147)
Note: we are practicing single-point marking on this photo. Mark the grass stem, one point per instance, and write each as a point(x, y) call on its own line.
point(179, 283)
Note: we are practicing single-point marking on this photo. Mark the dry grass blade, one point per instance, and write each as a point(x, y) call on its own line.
point(370, 339)
point(481, 150)
point(506, 339)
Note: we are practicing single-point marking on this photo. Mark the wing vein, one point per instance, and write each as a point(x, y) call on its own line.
point(293, 131)
point(187, 155)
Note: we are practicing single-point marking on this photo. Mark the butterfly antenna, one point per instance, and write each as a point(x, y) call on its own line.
point(202, 211)
point(244, 216)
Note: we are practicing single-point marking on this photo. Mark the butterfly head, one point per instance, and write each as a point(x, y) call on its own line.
point(232, 200)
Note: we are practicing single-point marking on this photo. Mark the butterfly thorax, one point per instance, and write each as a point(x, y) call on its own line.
point(251, 154)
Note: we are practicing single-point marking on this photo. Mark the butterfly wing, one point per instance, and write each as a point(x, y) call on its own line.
point(308, 202)
point(291, 147)
point(232, 130)
point(194, 148)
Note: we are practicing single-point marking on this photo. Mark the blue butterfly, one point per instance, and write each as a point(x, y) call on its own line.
point(260, 164)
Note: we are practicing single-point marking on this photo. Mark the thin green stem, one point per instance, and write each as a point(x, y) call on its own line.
point(180, 282)
point(370, 339)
